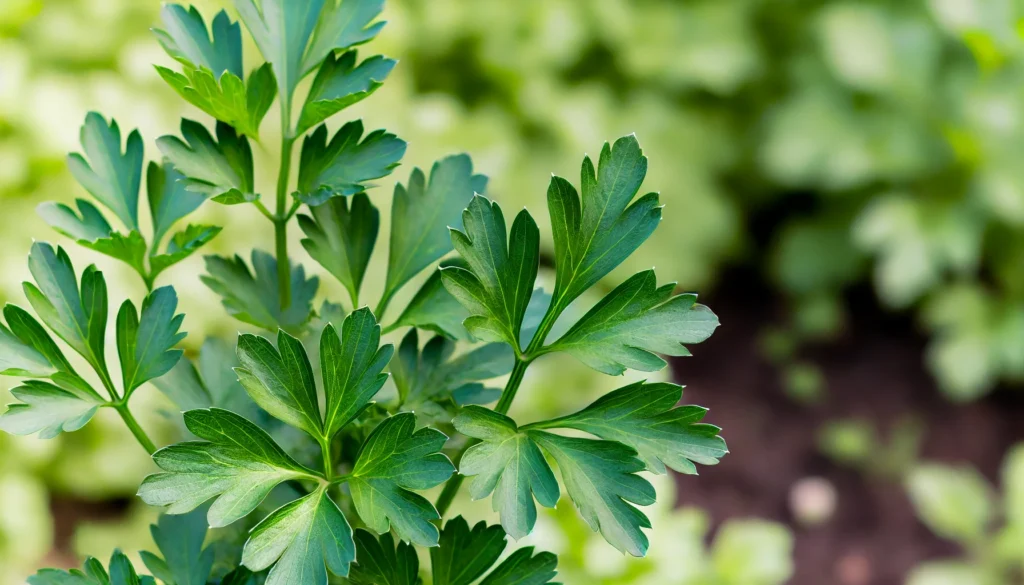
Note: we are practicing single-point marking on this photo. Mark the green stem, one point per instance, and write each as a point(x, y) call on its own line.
point(133, 426)
point(543, 330)
point(325, 451)
point(451, 489)
point(284, 268)
point(383, 305)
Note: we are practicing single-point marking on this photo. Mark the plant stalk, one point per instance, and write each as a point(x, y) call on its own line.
point(133, 426)
point(325, 450)
point(451, 489)
point(284, 267)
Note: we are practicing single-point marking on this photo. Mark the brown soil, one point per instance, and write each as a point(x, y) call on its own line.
point(874, 371)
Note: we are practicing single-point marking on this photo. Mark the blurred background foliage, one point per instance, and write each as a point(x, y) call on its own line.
point(828, 143)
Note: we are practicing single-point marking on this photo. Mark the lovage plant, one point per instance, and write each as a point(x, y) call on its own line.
point(290, 447)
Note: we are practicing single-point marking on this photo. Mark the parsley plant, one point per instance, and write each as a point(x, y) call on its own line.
point(297, 472)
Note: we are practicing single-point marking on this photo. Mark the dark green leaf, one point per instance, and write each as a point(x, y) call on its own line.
point(180, 540)
point(221, 169)
point(254, 298)
point(282, 31)
point(601, 479)
point(380, 563)
point(524, 568)
point(341, 239)
point(146, 345)
point(339, 84)
point(462, 556)
point(422, 214)
point(643, 416)
point(595, 234)
point(48, 410)
point(393, 461)
point(79, 317)
point(212, 383)
point(93, 573)
point(182, 245)
point(508, 463)
point(280, 380)
point(433, 308)
point(186, 39)
point(635, 321)
point(87, 224)
point(351, 368)
point(434, 374)
point(112, 177)
point(299, 539)
point(342, 24)
point(169, 200)
point(345, 165)
point(497, 287)
point(237, 462)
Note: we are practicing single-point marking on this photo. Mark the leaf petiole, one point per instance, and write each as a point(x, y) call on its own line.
point(133, 426)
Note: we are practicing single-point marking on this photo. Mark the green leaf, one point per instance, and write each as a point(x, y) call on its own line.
point(48, 410)
point(186, 39)
point(28, 333)
point(93, 573)
point(342, 24)
point(130, 249)
point(182, 245)
point(643, 416)
point(79, 317)
point(169, 200)
point(344, 166)
point(20, 358)
point(433, 308)
point(508, 463)
point(341, 238)
point(282, 31)
point(954, 502)
point(381, 563)
point(253, 297)
point(497, 287)
point(87, 224)
point(112, 177)
point(635, 321)
point(239, 104)
point(180, 540)
point(422, 213)
point(601, 479)
point(595, 233)
point(209, 382)
point(340, 84)
point(434, 374)
point(393, 461)
point(299, 539)
point(237, 462)
point(351, 368)
point(222, 169)
point(463, 555)
point(280, 380)
point(146, 345)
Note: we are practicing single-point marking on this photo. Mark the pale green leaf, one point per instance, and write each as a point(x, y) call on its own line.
point(339, 84)
point(282, 31)
point(342, 24)
point(954, 502)
point(220, 168)
point(169, 200)
point(185, 38)
point(86, 224)
point(253, 297)
point(48, 410)
point(423, 212)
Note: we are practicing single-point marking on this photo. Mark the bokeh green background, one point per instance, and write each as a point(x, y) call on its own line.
point(883, 138)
